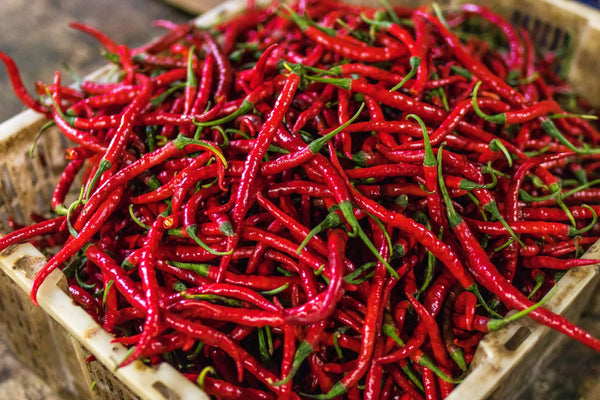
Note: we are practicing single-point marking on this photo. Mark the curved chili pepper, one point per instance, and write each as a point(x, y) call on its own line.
point(18, 87)
point(223, 388)
point(263, 140)
point(252, 163)
point(321, 306)
point(473, 65)
point(225, 72)
point(301, 156)
point(520, 116)
point(131, 171)
point(88, 302)
point(540, 261)
point(516, 57)
point(121, 136)
point(488, 276)
point(161, 43)
point(75, 244)
point(344, 47)
point(28, 232)
point(100, 36)
point(150, 287)
point(420, 49)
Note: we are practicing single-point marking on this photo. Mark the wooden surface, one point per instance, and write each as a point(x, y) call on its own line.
point(35, 33)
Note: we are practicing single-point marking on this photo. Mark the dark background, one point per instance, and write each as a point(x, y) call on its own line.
point(35, 33)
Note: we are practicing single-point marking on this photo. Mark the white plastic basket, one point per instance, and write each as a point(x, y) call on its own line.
point(56, 338)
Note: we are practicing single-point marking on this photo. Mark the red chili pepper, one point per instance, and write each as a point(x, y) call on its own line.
point(452, 120)
point(252, 163)
point(473, 65)
point(394, 99)
point(100, 36)
point(120, 95)
point(488, 276)
point(118, 275)
point(515, 58)
point(368, 335)
point(343, 117)
point(298, 230)
point(219, 218)
point(164, 41)
point(28, 232)
point(18, 87)
point(121, 136)
point(301, 156)
point(131, 171)
point(520, 116)
point(251, 241)
point(224, 389)
point(540, 261)
point(259, 69)
point(385, 171)
point(512, 194)
point(420, 49)
point(534, 228)
point(322, 305)
point(315, 108)
point(225, 72)
point(239, 316)
point(344, 47)
point(150, 287)
point(75, 244)
point(209, 336)
point(466, 304)
point(433, 331)
point(87, 302)
point(405, 384)
point(263, 140)
point(80, 137)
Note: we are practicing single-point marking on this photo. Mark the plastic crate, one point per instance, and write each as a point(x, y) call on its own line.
point(55, 339)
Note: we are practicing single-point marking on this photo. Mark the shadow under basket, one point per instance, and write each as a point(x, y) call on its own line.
point(56, 339)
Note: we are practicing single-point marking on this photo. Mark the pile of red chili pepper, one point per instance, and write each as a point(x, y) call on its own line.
point(322, 199)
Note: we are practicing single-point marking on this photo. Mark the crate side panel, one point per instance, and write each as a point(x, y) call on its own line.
point(527, 368)
point(104, 384)
point(39, 342)
point(26, 183)
point(583, 71)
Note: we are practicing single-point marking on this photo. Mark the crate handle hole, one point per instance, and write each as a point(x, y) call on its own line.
point(517, 339)
point(166, 392)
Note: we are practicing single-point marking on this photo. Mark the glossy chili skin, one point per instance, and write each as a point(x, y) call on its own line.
point(18, 86)
point(27, 233)
point(270, 217)
point(348, 49)
point(75, 244)
point(150, 287)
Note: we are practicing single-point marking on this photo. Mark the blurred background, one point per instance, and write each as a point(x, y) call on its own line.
point(36, 35)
